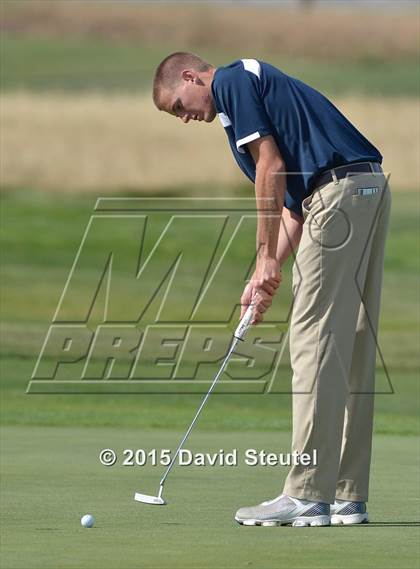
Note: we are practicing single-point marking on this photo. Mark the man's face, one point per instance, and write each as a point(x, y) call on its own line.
point(192, 98)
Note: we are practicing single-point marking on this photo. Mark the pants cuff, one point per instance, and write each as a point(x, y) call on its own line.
point(308, 494)
point(348, 489)
point(350, 496)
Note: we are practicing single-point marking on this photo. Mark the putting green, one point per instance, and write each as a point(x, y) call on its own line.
point(51, 473)
point(54, 477)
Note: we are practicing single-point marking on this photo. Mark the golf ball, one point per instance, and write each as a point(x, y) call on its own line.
point(87, 521)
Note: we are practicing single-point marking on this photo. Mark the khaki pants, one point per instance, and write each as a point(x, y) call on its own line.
point(337, 280)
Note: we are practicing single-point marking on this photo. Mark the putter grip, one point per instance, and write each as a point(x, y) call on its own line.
point(245, 323)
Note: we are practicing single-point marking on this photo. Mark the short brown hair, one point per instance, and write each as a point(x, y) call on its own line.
point(167, 75)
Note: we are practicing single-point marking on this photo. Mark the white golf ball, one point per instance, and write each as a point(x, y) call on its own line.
point(87, 521)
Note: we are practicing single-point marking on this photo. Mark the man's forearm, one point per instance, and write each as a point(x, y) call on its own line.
point(289, 235)
point(269, 193)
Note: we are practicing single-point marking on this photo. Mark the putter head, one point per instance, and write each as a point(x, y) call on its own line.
point(146, 499)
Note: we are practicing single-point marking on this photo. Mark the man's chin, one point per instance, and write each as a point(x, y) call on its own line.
point(210, 117)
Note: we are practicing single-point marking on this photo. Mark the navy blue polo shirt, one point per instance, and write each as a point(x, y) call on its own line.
point(254, 99)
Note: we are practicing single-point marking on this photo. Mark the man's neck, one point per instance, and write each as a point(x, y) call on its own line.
point(211, 73)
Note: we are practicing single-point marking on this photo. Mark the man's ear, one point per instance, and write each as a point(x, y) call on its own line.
point(188, 75)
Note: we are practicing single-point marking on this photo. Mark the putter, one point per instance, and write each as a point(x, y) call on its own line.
point(239, 334)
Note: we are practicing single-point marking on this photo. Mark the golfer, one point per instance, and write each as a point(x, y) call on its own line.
point(329, 199)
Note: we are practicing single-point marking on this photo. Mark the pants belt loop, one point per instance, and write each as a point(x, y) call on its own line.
point(372, 168)
point(334, 176)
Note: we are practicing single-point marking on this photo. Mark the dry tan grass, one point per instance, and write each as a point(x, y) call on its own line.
point(393, 125)
point(101, 143)
point(326, 32)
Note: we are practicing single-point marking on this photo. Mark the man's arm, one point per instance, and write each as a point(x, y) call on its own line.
point(269, 193)
point(270, 187)
point(289, 235)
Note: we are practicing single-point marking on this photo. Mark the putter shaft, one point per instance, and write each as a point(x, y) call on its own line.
point(238, 335)
point(212, 386)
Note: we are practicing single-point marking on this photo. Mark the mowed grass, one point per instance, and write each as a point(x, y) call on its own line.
point(54, 477)
point(42, 63)
point(41, 235)
point(50, 469)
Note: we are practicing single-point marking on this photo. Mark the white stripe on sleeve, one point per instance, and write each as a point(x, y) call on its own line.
point(245, 140)
point(224, 119)
point(253, 66)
